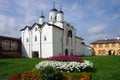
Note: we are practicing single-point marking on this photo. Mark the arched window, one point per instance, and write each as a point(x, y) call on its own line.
point(45, 38)
point(35, 38)
point(26, 39)
point(70, 33)
point(36, 29)
point(104, 52)
point(99, 52)
point(69, 37)
point(118, 52)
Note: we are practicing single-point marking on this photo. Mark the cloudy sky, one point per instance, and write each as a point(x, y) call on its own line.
point(93, 19)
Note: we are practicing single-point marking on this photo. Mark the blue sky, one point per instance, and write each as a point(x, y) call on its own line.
point(93, 19)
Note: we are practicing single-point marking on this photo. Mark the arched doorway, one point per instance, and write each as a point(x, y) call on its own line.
point(35, 54)
point(111, 52)
point(118, 52)
point(66, 52)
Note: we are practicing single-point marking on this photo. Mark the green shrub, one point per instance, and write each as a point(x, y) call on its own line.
point(88, 69)
point(50, 73)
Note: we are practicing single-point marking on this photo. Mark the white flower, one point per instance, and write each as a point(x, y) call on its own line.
point(65, 66)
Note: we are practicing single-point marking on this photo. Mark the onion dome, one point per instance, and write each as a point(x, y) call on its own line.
point(54, 9)
point(42, 15)
point(60, 10)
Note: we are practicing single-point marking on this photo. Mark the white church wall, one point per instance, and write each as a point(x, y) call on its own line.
point(25, 43)
point(47, 46)
point(35, 40)
point(79, 47)
point(87, 51)
point(70, 43)
point(57, 41)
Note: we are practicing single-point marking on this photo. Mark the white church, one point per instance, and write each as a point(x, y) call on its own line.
point(53, 38)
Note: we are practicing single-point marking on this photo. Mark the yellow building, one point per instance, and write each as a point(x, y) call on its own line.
point(106, 47)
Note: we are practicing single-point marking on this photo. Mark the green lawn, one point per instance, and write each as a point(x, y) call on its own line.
point(8, 67)
point(107, 67)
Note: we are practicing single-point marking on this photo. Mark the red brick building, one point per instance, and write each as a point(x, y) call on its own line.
point(10, 47)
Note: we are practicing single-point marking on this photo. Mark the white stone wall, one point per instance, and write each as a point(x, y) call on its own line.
point(25, 43)
point(79, 47)
point(57, 41)
point(35, 45)
point(47, 45)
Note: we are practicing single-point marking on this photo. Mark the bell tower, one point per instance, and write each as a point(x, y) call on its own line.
point(53, 14)
point(60, 15)
point(41, 18)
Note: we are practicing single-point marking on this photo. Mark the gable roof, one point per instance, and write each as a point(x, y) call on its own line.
point(39, 25)
point(25, 28)
point(106, 41)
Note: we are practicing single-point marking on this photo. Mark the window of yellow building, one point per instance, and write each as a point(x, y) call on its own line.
point(94, 45)
point(104, 51)
point(99, 52)
point(100, 45)
point(107, 45)
point(113, 45)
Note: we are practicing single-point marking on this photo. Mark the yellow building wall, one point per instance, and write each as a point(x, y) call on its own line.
point(104, 50)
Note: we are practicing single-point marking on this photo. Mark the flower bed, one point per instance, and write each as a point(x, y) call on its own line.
point(58, 68)
point(67, 66)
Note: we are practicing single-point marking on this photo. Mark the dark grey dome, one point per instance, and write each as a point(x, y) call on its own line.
point(53, 9)
point(42, 17)
point(61, 12)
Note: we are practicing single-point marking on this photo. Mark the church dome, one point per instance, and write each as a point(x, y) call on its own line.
point(42, 16)
point(61, 12)
point(53, 9)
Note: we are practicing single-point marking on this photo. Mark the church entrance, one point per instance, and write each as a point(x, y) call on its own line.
point(111, 52)
point(35, 54)
point(66, 52)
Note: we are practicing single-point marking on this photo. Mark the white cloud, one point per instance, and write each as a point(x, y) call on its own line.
point(97, 28)
point(97, 36)
point(8, 25)
point(97, 32)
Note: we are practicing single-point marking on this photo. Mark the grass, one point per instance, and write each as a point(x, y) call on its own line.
point(9, 67)
point(107, 67)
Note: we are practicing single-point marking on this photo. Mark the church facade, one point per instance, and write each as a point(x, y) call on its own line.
point(52, 38)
